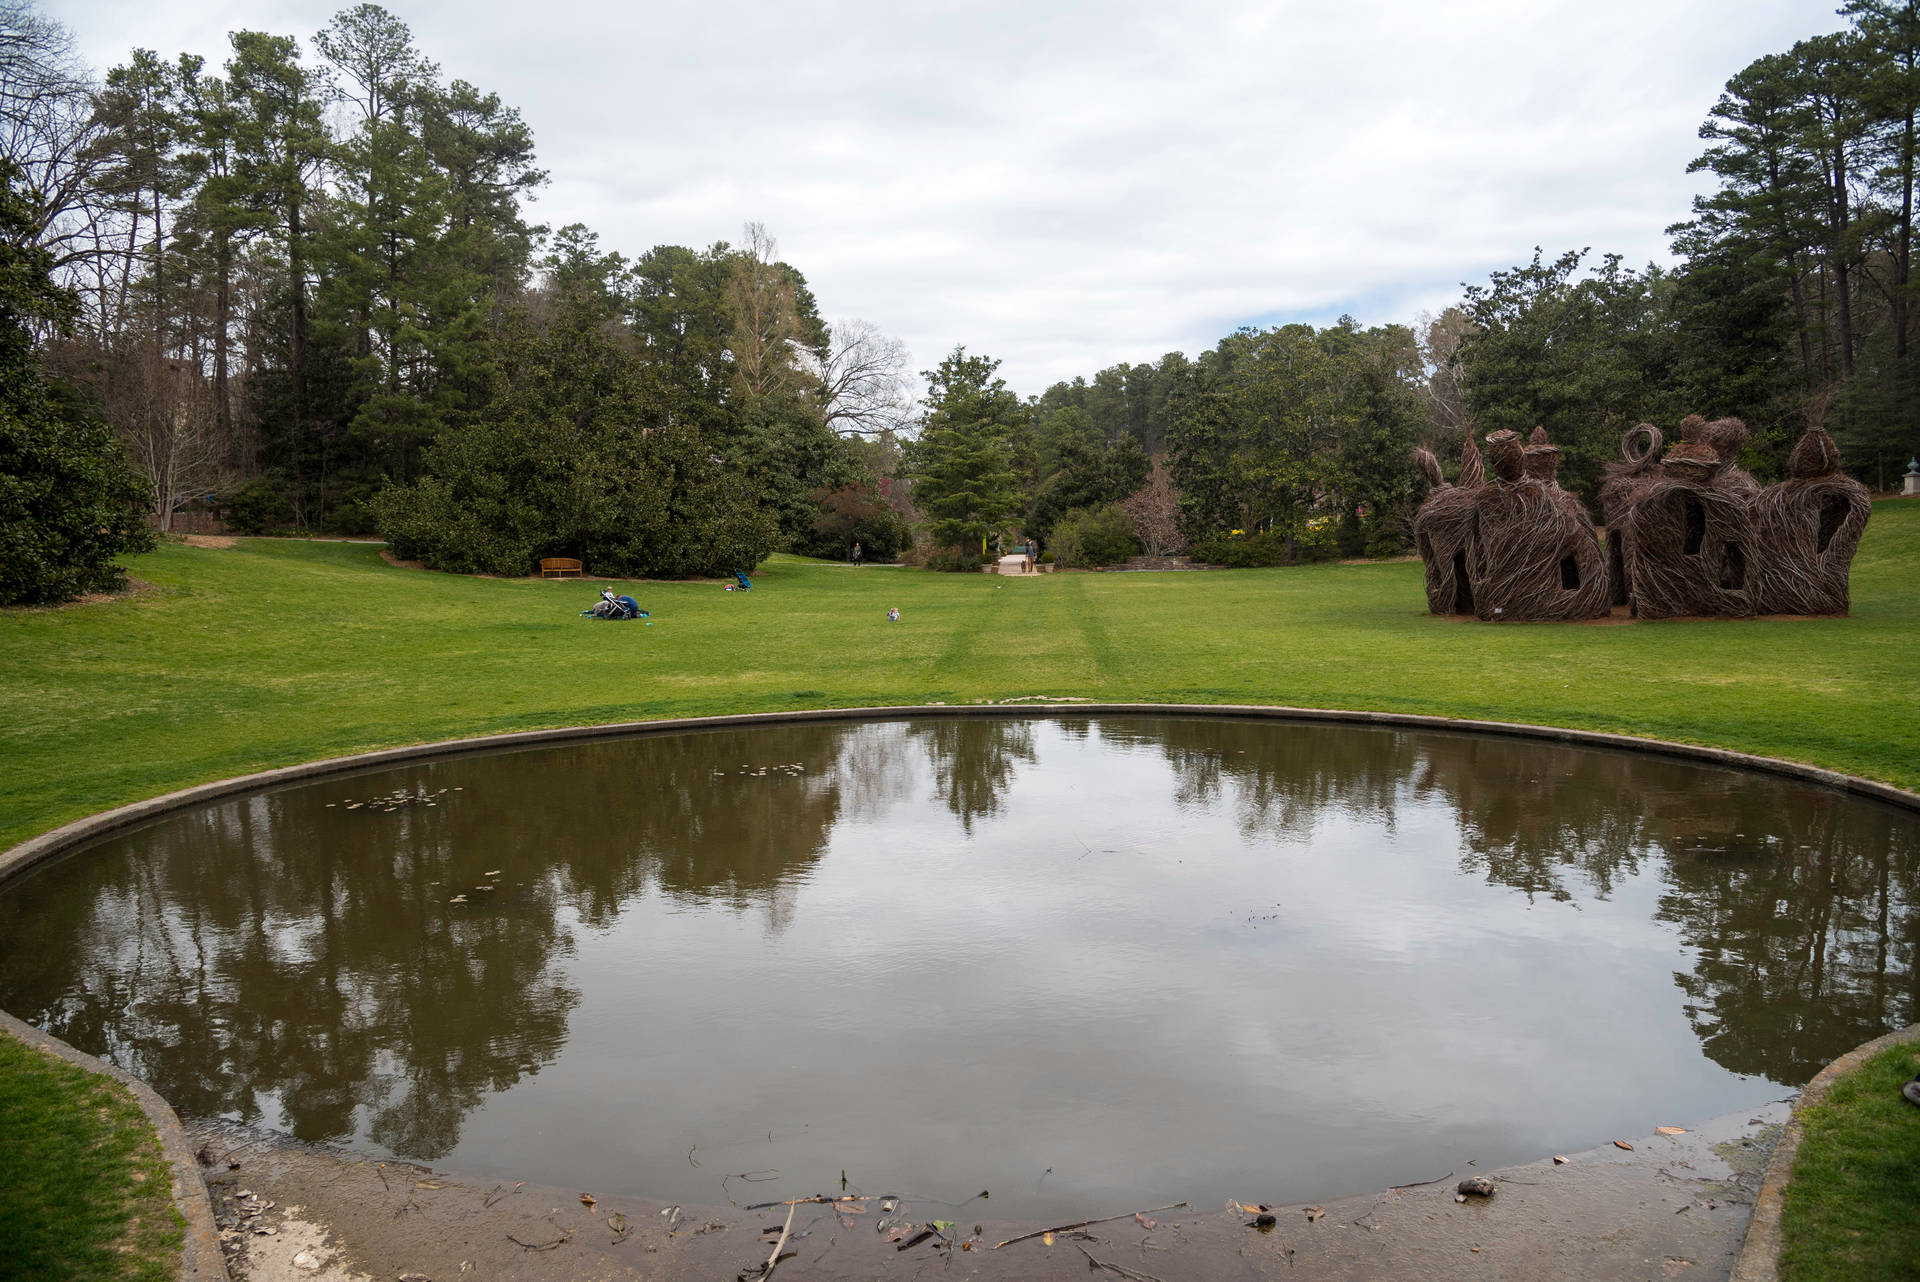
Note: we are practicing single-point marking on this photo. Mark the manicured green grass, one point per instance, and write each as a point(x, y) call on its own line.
point(1852, 1210)
point(274, 652)
point(84, 1191)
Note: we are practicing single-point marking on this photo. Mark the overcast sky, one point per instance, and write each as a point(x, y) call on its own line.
point(1065, 186)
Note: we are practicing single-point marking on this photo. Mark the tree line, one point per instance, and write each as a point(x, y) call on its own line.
point(1791, 305)
point(306, 287)
point(303, 285)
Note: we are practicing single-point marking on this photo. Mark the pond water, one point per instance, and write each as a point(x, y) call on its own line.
point(1085, 964)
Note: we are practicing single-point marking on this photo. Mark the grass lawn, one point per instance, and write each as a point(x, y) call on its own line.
point(84, 1191)
point(274, 652)
point(1852, 1212)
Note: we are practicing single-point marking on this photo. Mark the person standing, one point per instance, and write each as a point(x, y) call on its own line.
point(856, 552)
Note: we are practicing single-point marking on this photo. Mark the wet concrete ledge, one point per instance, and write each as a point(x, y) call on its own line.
point(200, 1258)
point(1759, 1259)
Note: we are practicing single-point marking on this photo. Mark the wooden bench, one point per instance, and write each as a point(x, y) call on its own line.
point(559, 567)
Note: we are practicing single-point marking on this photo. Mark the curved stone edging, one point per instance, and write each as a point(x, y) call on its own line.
point(200, 1258)
point(48, 845)
point(202, 1261)
point(1759, 1258)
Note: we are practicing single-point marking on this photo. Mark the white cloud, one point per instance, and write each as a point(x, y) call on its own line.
point(1065, 186)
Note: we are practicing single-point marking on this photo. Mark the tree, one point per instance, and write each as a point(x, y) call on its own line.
point(1154, 509)
point(863, 380)
point(68, 502)
point(962, 464)
point(1584, 357)
point(575, 456)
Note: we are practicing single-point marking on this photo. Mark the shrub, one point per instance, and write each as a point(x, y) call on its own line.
point(1097, 536)
point(258, 507)
point(954, 560)
point(1269, 547)
point(1241, 551)
point(69, 501)
point(856, 514)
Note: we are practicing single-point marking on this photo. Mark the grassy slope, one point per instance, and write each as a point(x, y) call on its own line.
point(84, 1191)
point(1850, 1212)
point(276, 652)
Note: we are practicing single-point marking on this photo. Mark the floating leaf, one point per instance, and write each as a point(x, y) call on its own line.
point(494, 873)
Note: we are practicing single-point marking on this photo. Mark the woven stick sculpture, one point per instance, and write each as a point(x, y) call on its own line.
point(1724, 436)
point(1688, 534)
point(1441, 529)
point(1619, 487)
point(1689, 541)
point(1809, 527)
point(1533, 552)
point(1472, 470)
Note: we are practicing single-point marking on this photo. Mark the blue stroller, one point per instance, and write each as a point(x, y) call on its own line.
point(613, 607)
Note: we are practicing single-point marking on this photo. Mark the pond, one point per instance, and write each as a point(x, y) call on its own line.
point(1085, 964)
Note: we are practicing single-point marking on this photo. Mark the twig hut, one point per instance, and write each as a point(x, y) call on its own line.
point(1533, 552)
point(1689, 539)
point(1809, 527)
point(1441, 530)
point(1619, 488)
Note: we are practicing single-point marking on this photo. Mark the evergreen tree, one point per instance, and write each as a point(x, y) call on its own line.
point(962, 463)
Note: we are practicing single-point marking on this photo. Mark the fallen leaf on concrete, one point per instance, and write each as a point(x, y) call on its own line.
point(1315, 1212)
point(589, 1201)
point(1670, 1130)
point(1623, 1144)
point(1143, 1221)
point(1559, 1160)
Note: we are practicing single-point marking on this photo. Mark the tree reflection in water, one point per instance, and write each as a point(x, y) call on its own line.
point(1795, 903)
point(286, 960)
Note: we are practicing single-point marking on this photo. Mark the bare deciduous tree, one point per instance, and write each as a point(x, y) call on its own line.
point(1444, 391)
point(1155, 511)
point(865, 381)
point(766, 319)
point(163, 409)
point(47, 122)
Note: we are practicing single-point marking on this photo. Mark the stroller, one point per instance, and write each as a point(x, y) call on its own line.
point(614, 607)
